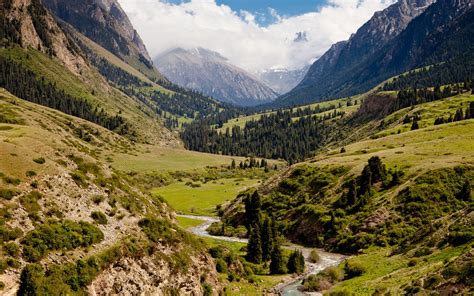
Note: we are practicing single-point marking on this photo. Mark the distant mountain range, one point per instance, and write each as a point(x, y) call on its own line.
point(212, 74)
point(283, 80)
point(406, 35)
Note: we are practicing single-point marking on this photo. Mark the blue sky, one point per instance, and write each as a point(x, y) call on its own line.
point(246, 31)
point(284, 7)
point(261, 7)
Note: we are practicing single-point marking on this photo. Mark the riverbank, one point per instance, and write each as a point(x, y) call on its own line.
point(289, 287)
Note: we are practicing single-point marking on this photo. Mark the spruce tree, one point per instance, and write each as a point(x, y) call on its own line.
point(378, 170)
point(267, 239)
point(296, 262)
point(415, 125)
point(252, 209)
point(254, 247)
point(465, 193)
point(365, 181)
point(277, 266)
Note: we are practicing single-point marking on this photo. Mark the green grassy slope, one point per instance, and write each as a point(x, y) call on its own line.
point(415, 233)
point(52, 171)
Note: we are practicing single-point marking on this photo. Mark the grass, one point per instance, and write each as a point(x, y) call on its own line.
point(428, 148)
point(188, 222)
point(390, 273)
point(204, 199)
point(168, 159)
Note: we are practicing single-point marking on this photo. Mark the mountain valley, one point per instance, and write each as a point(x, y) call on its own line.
point(186, 175)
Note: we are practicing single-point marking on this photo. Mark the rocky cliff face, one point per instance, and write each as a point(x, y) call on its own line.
point(27, 23)
point(104, 22)
point(211, 74)
point(384, 26)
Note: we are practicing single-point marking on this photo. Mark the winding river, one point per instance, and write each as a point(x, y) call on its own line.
point(291, 287)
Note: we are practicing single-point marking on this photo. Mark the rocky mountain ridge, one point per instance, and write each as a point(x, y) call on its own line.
point(211, 73)
point(322, 82)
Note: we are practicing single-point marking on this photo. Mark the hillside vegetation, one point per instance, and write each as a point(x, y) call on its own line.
point(401, 197)
point(68, 219)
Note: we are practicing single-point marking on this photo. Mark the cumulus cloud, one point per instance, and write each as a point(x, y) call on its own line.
point(239, 37)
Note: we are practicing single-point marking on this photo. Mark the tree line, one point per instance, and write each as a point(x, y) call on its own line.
point(25, 84)
point(458, 116)
point(274, 136)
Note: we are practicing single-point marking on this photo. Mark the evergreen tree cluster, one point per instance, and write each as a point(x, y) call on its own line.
point(25, 84)
point(412, 97)
point(441, 74)
point(263, 245)
point(273, 136)
point(458, 116)
point(360, 189)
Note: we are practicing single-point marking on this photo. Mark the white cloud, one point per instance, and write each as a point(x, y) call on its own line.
point(237, 35)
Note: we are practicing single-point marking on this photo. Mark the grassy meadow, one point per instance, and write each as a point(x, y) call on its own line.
point(199, 198)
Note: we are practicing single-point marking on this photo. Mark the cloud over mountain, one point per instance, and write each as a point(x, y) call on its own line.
point(238, 35)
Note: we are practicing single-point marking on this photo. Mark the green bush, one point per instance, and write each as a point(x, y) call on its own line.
point(314, 256)
point(30, 174)
point(7, 234)
point(221, 266)
point(216, 252)
point(99, 217)
point(8, 194)
point(354, 269)
point(30, 201)
point(59, 235)
point(11, 249)
point(159, 230)
point(335, 273)
point(206, 289)
point(40, 160)
point(79, 178)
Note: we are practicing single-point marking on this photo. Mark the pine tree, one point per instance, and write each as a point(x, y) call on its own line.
point(365, 181)
point(254, 247)
point(465, 193)
point(415, 125)
point(277, 266)
point(267, 239)
point(253, 209)
point(232, 166)
point(378, 170)
point(296, 262)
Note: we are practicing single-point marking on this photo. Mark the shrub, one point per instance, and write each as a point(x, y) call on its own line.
point(314, 256)
point(354, 269)
point(97, 199)
point(216, 252)
point(335, 273)
point(30, 201)
point(99, 217)
point(40, 160)
point(7, 234)
point(79, 178)
point(221, 266)
point(423, 251)
point(30, 174)
point(413, 262)
point(8, 194)
point(11, 249)
point(59, 235)
point(206, 289)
